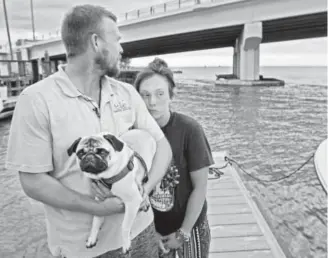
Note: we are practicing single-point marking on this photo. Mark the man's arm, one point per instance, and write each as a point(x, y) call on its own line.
point(30, 150)
point(160, 164)
point(48, 190)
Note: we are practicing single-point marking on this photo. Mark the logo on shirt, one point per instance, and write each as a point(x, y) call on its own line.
point(121, 105)
point(163, 196)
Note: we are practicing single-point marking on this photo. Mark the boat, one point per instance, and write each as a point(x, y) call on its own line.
point(7, 104)
point(7, 107)
point(320, 162)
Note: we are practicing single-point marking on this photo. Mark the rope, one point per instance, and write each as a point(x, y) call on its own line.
point(230, 161)
point(217, 173)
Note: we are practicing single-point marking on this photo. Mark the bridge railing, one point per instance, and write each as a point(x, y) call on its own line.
point(160, 8)
point(142, 13)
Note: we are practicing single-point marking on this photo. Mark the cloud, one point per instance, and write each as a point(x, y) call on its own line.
point(48, 13)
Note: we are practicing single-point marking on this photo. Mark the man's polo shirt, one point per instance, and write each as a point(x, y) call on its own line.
point(49, 116)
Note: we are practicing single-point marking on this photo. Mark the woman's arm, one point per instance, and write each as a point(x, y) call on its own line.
point(194, 207)
point(196, 199)
point(199, 158)
point(161, 161)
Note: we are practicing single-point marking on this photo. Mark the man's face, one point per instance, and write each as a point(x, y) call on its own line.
point(109, 54)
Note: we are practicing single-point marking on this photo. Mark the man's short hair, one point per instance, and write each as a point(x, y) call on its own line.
point(79, 23)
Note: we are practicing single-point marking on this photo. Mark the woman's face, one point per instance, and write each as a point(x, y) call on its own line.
point(155, 93)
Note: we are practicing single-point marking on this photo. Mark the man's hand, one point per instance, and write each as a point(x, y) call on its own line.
point(107, 203)
point(100, 191)
point(108, 206)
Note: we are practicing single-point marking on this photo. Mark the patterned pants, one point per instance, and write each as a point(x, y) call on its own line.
point(197, 247)
point(145, 245)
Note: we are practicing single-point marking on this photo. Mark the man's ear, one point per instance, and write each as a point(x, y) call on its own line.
point(116, 143)
point(73, 147)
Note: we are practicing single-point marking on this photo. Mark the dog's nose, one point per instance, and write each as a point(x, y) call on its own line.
point(89, 158)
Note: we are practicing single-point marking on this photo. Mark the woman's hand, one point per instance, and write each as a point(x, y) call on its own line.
point(171, 241)
point(145, 204)
point(99, 191)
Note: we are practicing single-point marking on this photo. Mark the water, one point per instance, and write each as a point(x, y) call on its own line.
point(298, 75)
point(269, 131)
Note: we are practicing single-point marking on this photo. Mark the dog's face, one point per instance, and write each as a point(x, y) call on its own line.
point(96, 153)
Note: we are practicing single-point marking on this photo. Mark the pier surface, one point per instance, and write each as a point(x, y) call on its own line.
point(238, 228)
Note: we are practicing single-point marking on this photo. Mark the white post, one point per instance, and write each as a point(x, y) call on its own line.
point(247, 52)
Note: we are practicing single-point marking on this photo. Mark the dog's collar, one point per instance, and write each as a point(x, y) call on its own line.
point(110, 181)
point(142, 161)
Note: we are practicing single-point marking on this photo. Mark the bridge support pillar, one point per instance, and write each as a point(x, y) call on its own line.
point(246, 57)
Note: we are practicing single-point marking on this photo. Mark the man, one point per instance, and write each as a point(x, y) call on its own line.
point(76, 101)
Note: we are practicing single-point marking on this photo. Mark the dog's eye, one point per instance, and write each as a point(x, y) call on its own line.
point(80, 153)
point(102, 152)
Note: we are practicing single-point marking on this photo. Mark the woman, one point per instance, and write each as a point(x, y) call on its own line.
point(179, 209)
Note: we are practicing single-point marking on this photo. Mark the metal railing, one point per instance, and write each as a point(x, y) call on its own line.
point(159, 8)
point(143, 13)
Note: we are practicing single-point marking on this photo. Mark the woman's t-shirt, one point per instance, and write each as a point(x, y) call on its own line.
point(191, 152)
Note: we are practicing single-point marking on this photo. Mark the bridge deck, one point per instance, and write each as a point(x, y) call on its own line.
point(238, 228)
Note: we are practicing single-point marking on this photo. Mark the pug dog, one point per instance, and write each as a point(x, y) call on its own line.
point(115, 162)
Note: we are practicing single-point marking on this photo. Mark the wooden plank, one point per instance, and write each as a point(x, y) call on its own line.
point(229, 219)
point(224, 192)
point(226, 200)
point(222, 185)
point(225, 177)
point(270, 238)
point(233, 244)
point(236, 230)
point(213, 184)
point(228, 209)
point(243, 254)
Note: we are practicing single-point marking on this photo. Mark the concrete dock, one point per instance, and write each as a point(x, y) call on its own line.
point(238, 228)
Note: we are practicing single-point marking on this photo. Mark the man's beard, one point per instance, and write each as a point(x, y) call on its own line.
point(105, 66)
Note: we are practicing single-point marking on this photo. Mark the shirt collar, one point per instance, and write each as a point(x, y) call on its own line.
point(69, 89)
point(65, 84)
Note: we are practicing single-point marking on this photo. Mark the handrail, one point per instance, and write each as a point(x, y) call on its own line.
point(139, 14)
point(159, 8)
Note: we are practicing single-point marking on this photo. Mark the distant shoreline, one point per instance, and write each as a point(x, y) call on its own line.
point(274, 66)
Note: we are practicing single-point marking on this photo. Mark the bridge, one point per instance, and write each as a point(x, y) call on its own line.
point(188, 25)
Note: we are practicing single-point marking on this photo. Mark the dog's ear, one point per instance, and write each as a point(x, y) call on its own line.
point(73, 147)
point(116, 143)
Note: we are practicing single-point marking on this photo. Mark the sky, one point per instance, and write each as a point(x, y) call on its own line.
point(48, 14)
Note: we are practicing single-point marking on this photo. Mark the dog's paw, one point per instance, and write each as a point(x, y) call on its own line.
point(126, 248)
point(91, 242)
point(145, 207)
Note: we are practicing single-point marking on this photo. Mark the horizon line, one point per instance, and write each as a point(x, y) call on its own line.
point(228, 66)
